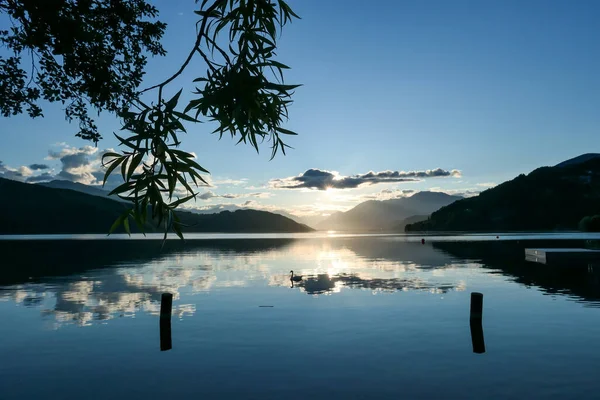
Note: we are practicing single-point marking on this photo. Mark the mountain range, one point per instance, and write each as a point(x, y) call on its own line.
point(369, 216)
point(387, 215)
point(78, 187)
point(36, 209)
point(549, 198)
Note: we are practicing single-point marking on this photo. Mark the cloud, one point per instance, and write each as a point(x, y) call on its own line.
point(387, 194)
point(69, 150)
point(38, 167)
point(207, 195)
point(25, 171)
point(17, 174)
point(487, 184)
point(317, 179)
point(211, 195)
point(80, 165)
point(77, 164)
point(229, 182)
point(84, 165)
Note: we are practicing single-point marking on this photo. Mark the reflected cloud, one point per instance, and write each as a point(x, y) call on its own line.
point(129, 284)
point(326, 284)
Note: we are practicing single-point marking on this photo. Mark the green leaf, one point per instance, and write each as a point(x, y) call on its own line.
point(125, 142)
point(111, 168)
point(124, 167)
point(115, 225)
point(184, 200)
point(127, 186)
point(185, 117)
point(279, 65)
point(137, 218)
point(285, 131)
point(177, 225)
point(118, 221)
point(280, 87)
point(170, 105)
point(110, 154)
point(135, 161)
point(126, 225)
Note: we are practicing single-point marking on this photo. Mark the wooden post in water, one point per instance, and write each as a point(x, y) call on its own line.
point(166, 305)
point(476, 306)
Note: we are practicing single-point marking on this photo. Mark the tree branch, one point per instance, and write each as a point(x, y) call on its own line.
point(191, 55)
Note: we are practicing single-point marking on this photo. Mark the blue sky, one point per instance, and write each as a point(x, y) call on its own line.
point(489, 88)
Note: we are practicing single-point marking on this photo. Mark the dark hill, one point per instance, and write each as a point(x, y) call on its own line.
point(34, 209)
point(79, 187)
point(579, 159)
point(549, 198)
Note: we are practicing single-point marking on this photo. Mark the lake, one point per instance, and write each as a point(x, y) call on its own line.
point(381, 317)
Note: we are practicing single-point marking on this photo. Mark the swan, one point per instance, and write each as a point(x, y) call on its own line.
point(295, 278)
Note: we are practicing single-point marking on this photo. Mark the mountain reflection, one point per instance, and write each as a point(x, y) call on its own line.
point(98, 283)
point(579, 281)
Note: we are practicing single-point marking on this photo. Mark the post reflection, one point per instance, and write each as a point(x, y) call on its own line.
point(165, 335)
point(477, 336)
point(166, 306)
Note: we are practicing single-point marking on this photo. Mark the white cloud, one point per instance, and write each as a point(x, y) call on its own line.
point(69, 150)
point(22, 174)
point(25, 171)
point(230, 182)
point(388, 194)
point(208, 195)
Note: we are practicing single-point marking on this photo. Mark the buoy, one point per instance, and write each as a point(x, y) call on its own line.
point(422, 241)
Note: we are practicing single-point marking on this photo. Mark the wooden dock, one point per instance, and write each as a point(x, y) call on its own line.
point(562, 256)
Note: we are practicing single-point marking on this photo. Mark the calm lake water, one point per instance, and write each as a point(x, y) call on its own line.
point(374, 317)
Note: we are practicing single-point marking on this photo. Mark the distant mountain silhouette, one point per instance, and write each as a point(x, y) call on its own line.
point(579, 159)
point(234, 207)
point(386, 215)
point(247, 221)
point(549, 198)
point(410, 220)
point(35, 209)
point(78, 187)
point(98, 191)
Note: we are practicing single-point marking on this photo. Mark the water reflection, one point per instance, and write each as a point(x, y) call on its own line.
point(85, 282)
point(105, 282)
point(578, 281)
point(323, 283)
